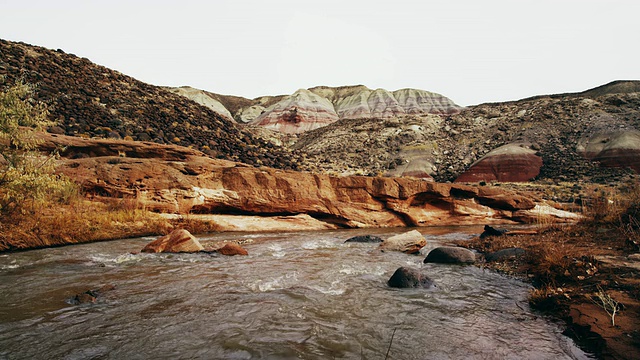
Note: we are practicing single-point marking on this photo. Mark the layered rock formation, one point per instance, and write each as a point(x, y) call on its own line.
point(557, 124)
point(383, 104)
point(317, 107)
point(308, 109)
point(191, 182)
point(613, 149)
point(300, 112)
point(508, 163)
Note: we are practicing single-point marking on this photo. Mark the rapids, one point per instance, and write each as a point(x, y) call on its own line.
point(303, 295)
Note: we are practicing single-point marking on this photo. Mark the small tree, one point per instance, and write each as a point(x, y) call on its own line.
point(25, 175)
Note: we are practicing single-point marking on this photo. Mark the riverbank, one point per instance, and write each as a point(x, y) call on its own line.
point(574, 269)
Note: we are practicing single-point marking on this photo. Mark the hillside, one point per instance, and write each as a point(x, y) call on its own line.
point(562, 129)
point(92, 101)
point(588, 136)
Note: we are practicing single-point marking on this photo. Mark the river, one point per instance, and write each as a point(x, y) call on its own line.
point(303, 295)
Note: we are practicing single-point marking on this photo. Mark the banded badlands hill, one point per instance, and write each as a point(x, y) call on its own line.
point(588, 136)
point(350, 130)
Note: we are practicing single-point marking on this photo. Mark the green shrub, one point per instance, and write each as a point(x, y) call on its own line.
point(27, 177)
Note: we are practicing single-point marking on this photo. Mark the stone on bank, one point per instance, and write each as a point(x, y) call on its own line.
point(410, 242)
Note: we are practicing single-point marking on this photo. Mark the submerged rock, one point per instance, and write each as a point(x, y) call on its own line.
point(90, 296)
point(450, 255)
point(177, 241)
point(365, 239)
point(405, 277)
point(410, 242)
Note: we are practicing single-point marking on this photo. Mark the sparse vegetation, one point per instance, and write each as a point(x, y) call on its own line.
point(606, 302)
point(571, 265)
point(41, 208)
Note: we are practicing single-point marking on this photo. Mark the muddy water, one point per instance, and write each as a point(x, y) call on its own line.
point(296, 296)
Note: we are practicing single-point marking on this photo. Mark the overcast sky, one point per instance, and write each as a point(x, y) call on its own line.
point(471, 51)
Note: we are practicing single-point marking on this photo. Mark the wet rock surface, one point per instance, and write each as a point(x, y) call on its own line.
point(450, 255)
point(178, 241)
point(405, 277)
point(90, 296)
point(364, 239)
point(410, 242)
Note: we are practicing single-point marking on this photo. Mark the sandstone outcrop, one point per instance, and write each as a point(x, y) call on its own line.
point(172, 179)
point(405, 277)
point(450, 255)
point(410, 242)
point(300, 112)
point(508, 163)
point(177, 241)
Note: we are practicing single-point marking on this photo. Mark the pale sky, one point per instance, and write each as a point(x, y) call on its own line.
point(471, 51)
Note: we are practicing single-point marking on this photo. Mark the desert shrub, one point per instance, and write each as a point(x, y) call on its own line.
point(27, 178)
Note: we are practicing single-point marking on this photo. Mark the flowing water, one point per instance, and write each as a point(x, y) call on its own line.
point(296, 296)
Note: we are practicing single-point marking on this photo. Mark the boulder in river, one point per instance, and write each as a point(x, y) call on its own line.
point(365, 239)
point(177, 241)
point(450, 255)
point(410, 242)
point(405, 277)
point(231, 249)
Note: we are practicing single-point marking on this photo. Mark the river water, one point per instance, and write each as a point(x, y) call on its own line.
point(300, 295)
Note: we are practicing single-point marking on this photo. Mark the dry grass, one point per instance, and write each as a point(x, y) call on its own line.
point(77, 222)
point(194, 224)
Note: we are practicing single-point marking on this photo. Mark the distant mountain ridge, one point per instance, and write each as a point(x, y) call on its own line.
point(309, 109)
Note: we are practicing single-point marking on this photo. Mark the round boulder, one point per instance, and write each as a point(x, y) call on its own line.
point(450, 255)
point(409, 278)
point(231, 249)
point(410, 242)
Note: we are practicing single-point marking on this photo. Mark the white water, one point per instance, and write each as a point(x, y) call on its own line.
point(297, 295)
